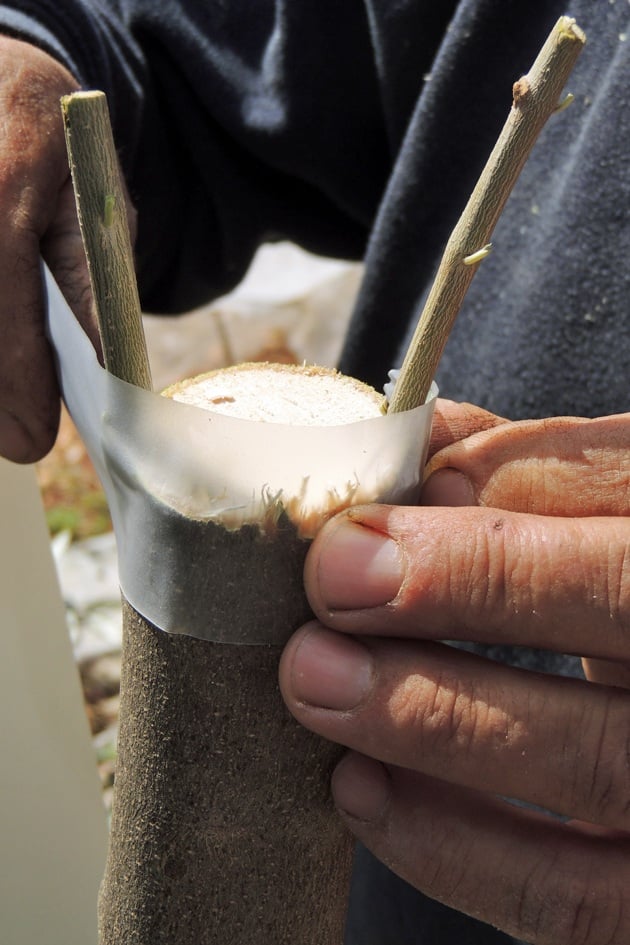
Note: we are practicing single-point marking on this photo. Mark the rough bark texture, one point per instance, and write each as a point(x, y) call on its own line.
point(102, 211)
point(223, 830)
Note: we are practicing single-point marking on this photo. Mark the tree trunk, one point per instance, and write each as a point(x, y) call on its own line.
point(223, 830)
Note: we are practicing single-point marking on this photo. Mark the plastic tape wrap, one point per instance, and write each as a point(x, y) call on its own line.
point(157, 457)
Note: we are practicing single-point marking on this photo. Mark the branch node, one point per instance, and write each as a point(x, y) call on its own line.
point(564, 103)
point(520, 91)
point(478, 256)
point(568, 29)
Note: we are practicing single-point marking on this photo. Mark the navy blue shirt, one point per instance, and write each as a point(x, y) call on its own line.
point(358, 129)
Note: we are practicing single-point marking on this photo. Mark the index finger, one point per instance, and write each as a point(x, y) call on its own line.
point(33, 172)
point(454, 421)
point(558, 466)
point(475, 574)
point(29, 395)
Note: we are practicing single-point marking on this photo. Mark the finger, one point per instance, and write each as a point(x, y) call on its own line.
point(29, 396)
point(62, 248)
point(33, 168)
point(564, 466)
point(556, 743)
point(475, 574)
point(454, 421)
point(607, 672)
point(540, 880)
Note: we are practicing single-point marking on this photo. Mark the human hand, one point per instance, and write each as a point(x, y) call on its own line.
point(39, 219)
point(538, 558)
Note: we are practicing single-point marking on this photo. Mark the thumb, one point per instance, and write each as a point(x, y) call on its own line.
point(454, 421)
point(566, 466)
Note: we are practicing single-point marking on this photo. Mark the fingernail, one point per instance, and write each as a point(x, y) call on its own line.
point(448, 487)
point(15, 443)
point(361, 787)
point(331, 671)
point(358, 567)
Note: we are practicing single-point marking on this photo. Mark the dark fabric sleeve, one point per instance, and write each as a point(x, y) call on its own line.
point(223, 121)
point(237, 127)
point(544, 328)
point(359, 129)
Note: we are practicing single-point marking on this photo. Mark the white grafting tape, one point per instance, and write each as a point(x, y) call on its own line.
point(157, 457)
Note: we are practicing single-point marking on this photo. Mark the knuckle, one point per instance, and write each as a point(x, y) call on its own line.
point(438, 715)
point(574, 906)
point(597, 916)
point(618, 584)
point(614, 795)
point(444, 871)
point(508, 560)
point(607, 789)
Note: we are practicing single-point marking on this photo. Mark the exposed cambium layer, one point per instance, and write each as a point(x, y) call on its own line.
point(281, 393)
